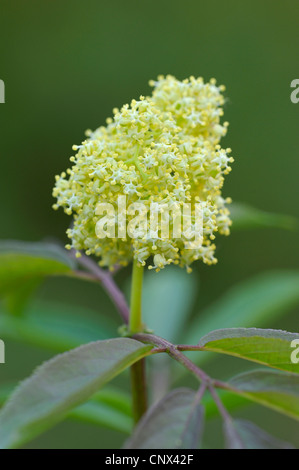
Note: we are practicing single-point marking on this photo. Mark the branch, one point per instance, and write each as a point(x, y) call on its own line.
point(172, 350)
point(227, 419)
point(108, 283)
point(164, 346)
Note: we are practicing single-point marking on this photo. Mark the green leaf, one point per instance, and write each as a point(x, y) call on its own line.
point(5, 391)
point(55, 326)
point(16, 300)
point(253, 302)
point(241, 434)
point(101, 414)
point(246, 217)
point(21, 261)
point(273, 389)
point(24, 265)
point(165, 312)
point(118, 399)
point(175, 422)
point(269, 347)
point(110, 408)
point(230, 401)
point(62, 384)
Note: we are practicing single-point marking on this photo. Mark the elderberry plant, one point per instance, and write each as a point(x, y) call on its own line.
point(159, 157)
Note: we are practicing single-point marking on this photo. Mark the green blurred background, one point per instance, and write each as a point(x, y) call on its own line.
point(66, 64)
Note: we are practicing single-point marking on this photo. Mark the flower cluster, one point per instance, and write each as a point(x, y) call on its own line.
point(159, 149)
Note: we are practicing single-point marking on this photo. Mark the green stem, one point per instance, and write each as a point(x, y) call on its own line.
point(138, 378)
point(139, 392)
point(135, 321)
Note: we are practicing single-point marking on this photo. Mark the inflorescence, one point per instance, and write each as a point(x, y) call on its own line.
point(159, 149)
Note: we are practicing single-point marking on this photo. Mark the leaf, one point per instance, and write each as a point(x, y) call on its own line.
point(110, 408)
point(21, 261)
point(269, 347)
point(102, 414)
point(62, 384)
point(173, 423)
point(174, 293)
point(56, 326)
point(16, 300)
point(118, 399)
point(5, 391)
point(229, 400)
point(253, 302)
point(23, 265)
point(273, 389)
point(241, 434)
point(245, 217)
